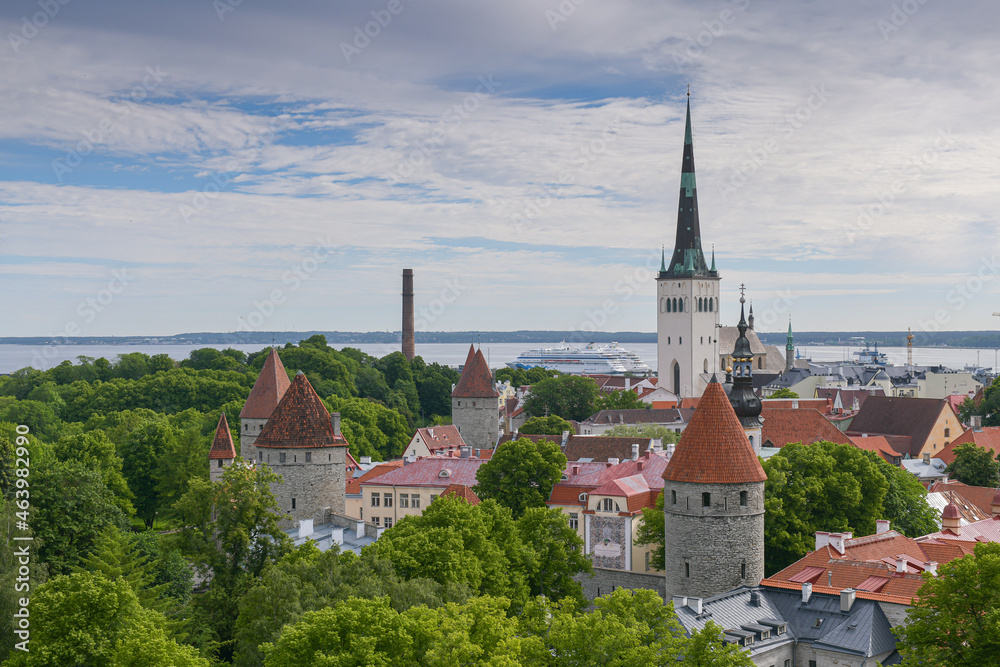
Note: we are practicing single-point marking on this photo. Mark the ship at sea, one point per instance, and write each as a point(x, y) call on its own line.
point(590, 359)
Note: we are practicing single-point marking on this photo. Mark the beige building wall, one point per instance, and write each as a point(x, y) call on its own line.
point(946, 429)
point(574, 513)
point(415, 501)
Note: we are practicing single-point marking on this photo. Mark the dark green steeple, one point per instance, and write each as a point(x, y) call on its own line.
point(688, 258)
point(790, 344)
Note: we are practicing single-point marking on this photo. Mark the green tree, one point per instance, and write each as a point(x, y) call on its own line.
point(521, 474)
point(551, 425)
point(10, 596)
point(652, 531)
point(905, 504)
point(569, 396)
point(141, 453)
point(620, 399)
point(97, 452)
point(556, 553)
point(71, 508)
point(371, 429)
point(975, 466)
point(823, 486)
point(519, 377)
point(114, 557)
point(988, 408)
point(955, 618)
point(651, 431)
point(87, 619)
point(784, 392)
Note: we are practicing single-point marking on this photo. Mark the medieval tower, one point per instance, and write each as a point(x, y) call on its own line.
point(475, 403)
point(223, 453)
point(713, 502)
point(742, 397)
point(303, 444)
point(267, 391)
point(687, 293)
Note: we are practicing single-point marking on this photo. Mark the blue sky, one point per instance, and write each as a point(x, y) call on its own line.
point(268, 165)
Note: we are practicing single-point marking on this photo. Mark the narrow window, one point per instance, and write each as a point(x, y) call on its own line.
point(295, 459)
point(293, 503)
point(220, 463)
point(377, 519)
point(680, 340)
point(376, 500)
point(706, 500)
point(260, 456)
point(687, 570)
point(281, 457)
point(309, 457)
point(743, 498)
point(388, 522)
point(647, 561)
point(673, 497)
point(947, 432)
point(743, 570)
point(574, 521)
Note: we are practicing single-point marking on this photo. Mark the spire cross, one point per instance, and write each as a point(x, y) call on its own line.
point(742, 289)
point(689, 90)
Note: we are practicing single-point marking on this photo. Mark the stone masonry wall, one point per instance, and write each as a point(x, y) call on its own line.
point(249, 430)
point(316, 485)
point(215, 471)
point(706, 547)
point(605, 581)
point(479, 424)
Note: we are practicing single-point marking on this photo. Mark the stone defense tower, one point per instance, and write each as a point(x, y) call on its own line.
point(303, 444)
point(687, 292)
point(475, 403)
point(789, 349)
point(713, 504)
point(271, 385)
point(408, 340)
point(745, 403)
point(222, 454)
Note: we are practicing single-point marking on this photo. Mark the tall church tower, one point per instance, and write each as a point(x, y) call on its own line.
point(687, 290)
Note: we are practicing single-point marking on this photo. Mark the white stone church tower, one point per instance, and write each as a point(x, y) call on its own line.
point(687, 293)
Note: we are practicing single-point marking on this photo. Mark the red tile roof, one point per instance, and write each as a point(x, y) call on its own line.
point(904, 599)
point(441, 437)
point(878, 444)
point(988, 437)
point(354, 483)
point(894, 415)
point(271, 385)
point(431, 471)
point(714, 448)
point(476, 380)
point(980, 496)
point(222, 445)
point(783, 426)
point(795, 403)
point(463, 492)
point(300, 420)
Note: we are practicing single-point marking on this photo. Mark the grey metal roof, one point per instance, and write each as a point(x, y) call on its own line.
point(732, 611)
point(323, 536)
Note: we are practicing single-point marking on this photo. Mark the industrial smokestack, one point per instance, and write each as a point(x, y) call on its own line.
point(408, 341)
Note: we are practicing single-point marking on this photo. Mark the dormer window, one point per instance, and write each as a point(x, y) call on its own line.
point(444, 473)
point(609, 505)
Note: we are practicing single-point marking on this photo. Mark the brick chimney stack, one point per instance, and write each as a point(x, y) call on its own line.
point(408, 337)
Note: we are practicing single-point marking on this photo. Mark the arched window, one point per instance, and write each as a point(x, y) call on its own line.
point(711, 302)
point(675, 305)
point(677, 378)
point(666, 308)
point(706, 366)
point(680, 305)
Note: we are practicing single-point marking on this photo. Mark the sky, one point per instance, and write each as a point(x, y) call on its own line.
point(225, 165)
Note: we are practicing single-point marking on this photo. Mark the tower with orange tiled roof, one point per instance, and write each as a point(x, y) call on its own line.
point(475, 403)
point(271, 385)
point(713, 502)
point(223, 453)
point(303, 444)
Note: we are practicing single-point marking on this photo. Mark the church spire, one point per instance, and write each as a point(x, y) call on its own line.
point(742, 397)
point(688, 258)
point(789, 348)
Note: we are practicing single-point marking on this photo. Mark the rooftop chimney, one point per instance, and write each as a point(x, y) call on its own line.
point(565, 438)
point(337, 535)
point(977, 423)
point(901, 567)
point(638, 466)
point(951, 519)
point(837, 541)
point(635, 451)
point(931, 566)
point(755, 598)
point(366, 460)
point(408, 346)
point(305, 527)
point(882, 526)
point(335, 420)
point(360, 529)
point(927, 458)
point(846, 599)
point(807, 591)
point(695, 605)
point(576, 470)
point(822, 539)
point(613, 461)
point(465, 452)
point(679, 601)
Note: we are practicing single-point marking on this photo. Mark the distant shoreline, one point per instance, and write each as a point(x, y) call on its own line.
point(955, 339)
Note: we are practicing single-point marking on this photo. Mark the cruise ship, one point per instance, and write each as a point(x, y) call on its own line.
point(591, 359)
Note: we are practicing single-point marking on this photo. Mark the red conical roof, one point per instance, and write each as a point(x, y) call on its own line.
point(714, 448)
point(271, 385)
point(222, 445)
point(300, 420)
point(476, 380)
point(470, 356)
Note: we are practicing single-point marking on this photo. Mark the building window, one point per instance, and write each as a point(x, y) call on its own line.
point(473, 404)
point(673, 497)
point(460, 404)
point(743, 570)
point(574, 521)
point(309, 457)
point(220, 463)
point(812, 663)
point(281, 457)
point(376, 520)
point(608, 505)
point(706, 500)
point(947, 432)
point(687, 570)
point(260, 456)
point(387, 499)
point(388, 522)
point(404, 500)
point(293, 503)
point(376, 500)
point(647, 561)
point(743, 498)
point(415, 500)
point(680, 340)
point(433, 497)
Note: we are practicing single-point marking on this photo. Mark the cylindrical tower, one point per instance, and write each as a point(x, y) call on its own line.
point(713, 504)
point(408, 340)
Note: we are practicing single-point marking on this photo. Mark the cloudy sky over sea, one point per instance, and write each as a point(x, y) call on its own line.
point(205, 165)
